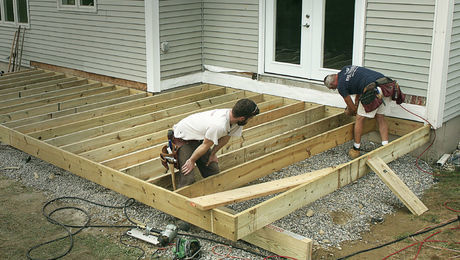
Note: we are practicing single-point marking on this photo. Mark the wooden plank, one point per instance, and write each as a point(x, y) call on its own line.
point(145, 140)
point(396, 185)
point(43, 78)
point(279, 241)
point(97, 137)
point(400, 127)
point(282, 242)
point(50, 94)
point(81, 121)
point(56, 99)
point(34, 88)
point(277, 207)
point(74, 110)
point(26, 80)
point(221, 223)
point(19, 74)
point(257, 168)
point(255, 191)
point(271, 144)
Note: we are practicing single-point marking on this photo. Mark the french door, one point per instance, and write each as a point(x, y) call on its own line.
point(309, 38)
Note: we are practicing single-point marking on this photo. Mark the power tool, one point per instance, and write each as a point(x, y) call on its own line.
point(187, 249)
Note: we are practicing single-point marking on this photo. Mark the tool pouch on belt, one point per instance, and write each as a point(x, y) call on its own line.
point(169, 152)
point(167, 156)
point(370, 99)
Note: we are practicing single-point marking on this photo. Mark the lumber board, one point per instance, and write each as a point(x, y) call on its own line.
point(153, 168)
point(169, 202)
point(19, 74)
point(400, 127)
point(139, 137)
point(277, 207)
point(56, 99)
point(255, 191)
point(396, 185)
point(28, 80)
point(69, 111)
point(88, 120)
point(17, 77)
point(27, 90)
point(50, 94)
point(257, 168)
point(259, 149)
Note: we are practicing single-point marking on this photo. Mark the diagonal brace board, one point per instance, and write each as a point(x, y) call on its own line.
point(396, 185)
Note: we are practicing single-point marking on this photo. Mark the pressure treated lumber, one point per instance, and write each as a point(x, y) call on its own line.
point(69, 111)
point(255, 191)
point(396, 185)
point(277, 207)
point(85, 139)
point(252, 170)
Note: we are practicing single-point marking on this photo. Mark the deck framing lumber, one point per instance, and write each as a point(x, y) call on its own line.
point(112, 135)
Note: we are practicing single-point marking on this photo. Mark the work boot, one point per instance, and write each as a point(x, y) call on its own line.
point(354, 153)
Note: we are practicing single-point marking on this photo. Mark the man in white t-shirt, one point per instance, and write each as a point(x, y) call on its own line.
point(201, 135)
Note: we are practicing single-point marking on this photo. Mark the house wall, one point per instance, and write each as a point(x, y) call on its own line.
point(110, 41)
point(452, 106)
point(181, 31)
point(398, 41)
point(231, 33)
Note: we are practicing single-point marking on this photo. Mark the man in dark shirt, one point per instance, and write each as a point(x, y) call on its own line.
point(352, 80)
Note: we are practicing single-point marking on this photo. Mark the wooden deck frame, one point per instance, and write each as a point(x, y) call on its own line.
point(20, 127)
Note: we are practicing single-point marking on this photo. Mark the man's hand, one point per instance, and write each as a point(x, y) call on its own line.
point(188, 167)
point(348, 112)
point(212, 158)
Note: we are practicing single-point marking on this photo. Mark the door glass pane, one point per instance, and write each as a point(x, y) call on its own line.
point(87, 2)
point(9, 10)
point(68, 2)
point(288, 31)
point(338, 33)
point(22, 11)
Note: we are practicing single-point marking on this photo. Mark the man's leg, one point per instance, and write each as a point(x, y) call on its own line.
point(211, 169)
point(183, 154)
point(358, 131)
point(383, 128)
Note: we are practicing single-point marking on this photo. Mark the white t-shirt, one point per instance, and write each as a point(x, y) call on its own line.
point(211, 125)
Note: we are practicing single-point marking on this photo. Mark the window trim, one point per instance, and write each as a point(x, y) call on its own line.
point(15, 23)
point(77, 7)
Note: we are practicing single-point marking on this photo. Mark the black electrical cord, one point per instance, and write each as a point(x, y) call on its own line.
point(399, 239)
point(66, 227)
point(128, 203)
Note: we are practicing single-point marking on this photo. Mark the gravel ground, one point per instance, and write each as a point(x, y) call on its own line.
point(329, 221)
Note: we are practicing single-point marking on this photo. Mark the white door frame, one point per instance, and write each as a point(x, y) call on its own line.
point(314, 61)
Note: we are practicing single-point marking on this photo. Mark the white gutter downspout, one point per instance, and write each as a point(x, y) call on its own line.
point(439, 65)
point(152, 45)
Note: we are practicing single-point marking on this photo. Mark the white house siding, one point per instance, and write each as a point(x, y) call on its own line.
point(452, 106)
point(231, 33)
point(181, 29)
point(110, 41)
point(398, 41)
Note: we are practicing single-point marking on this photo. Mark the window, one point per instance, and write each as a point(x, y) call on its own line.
point(14, 11)
point(77, 5)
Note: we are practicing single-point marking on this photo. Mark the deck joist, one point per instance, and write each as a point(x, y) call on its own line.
point(112, 136)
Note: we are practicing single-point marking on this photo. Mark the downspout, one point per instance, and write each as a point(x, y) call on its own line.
point(152, 45)
point(439, 65)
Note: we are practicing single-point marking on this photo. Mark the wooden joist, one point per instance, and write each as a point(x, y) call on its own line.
point(396, 185)
point(112, 136)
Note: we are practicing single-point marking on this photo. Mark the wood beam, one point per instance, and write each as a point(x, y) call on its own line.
point(27, 90)
point(223, 198)
point(277, 207)
point(257, 168)
point(396, 185)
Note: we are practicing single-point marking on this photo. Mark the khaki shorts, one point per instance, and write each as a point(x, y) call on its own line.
point(384, 108)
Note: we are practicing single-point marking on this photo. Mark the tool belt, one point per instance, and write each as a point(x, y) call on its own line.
point(372, 98)
point(168, 152)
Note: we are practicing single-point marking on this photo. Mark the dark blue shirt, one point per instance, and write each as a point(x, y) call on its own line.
point(353, 79)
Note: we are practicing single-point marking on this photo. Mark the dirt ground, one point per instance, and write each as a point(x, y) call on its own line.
point(23, 226)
